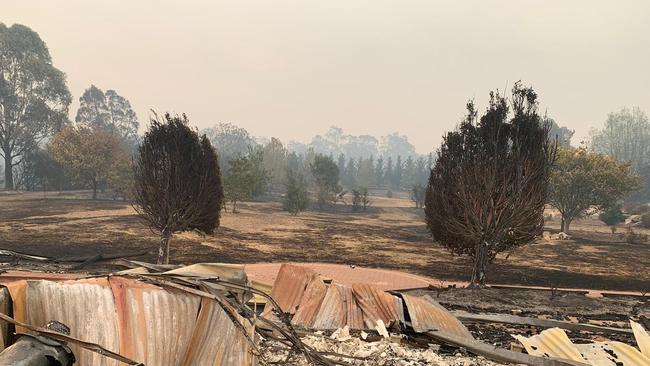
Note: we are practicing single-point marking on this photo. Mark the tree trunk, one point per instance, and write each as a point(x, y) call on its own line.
point(234, 206)
point(480, 265)
point(9, 172)
point(163, 248)
point(566, 222)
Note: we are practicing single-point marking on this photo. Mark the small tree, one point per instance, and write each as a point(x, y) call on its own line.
point(612, 216)
point(581, 180)
point(417, 195)
point(487, 191)
point(239, 182)
point(296, 198)
point(89, 156)
point(177, 181)
point(326, 175)
point(360, 199)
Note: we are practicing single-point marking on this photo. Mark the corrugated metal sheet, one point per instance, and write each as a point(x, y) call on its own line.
point(310, 303)
point(216, 340)
point(426, 314)
point(375, 304)
point(332, 313)
point(611, 354)
point(551, 342)
point(155, 325)
point(642, 338)
point(140, 321)
point(555, 343)
point(86, 306)
point(354, 315)
point(289, 287)
point(316, 305)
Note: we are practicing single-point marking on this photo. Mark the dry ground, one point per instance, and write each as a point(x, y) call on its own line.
point(391, 235)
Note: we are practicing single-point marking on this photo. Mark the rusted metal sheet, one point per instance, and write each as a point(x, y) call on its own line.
point(333, 310)
point(216, 340)
point(354, 315)
point(642, 338)
point(155, 324)
point(555, 343)
point(143, 322)
point(310, 303)
point(289, 287)
point(85, 306)
point(375, 304)
point(426, 314)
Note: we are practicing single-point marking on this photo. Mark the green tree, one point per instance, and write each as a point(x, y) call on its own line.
point(239, 181)
point(398, 172)
point(109, 112)
point(612, 215)
point(34, 97)
point(296, 198)
point(177, 181)
point(89, 156)
point(360, 199)
point(349, 175)
point(488, 189)
point(379, 172)
point(275, 161)
point(583, 180)
point(388, 175)
point(230, 141)
point(326, 176)
point(421, 172)
point(417, 195)
point(366, 175)
point(259, 175)
point(626, 137)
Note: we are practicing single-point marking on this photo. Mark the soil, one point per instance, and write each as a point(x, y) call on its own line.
point(390, 235)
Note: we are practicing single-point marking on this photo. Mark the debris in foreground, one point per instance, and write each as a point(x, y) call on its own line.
point(206, 314)
point(362, 353)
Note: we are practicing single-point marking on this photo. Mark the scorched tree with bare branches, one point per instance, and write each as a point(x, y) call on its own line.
point(177, 181)
point(487, 191)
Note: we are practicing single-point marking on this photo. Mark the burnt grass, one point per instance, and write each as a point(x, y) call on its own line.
point(612, 311)
point(384, 237)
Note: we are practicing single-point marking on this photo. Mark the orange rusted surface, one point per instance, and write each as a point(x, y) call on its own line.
point(333, 311)
point(426, 314)
point(289, 287)
point(316, 305)
point(375, 304)
point(141, 321)
point(310, 303)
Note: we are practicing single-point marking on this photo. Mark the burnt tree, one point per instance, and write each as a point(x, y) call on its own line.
point(177, 181)
point(487, 191)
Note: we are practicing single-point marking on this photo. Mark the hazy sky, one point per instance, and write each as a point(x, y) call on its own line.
point(291, 69)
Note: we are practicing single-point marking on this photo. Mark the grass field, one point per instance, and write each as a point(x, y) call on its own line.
point(392, 235)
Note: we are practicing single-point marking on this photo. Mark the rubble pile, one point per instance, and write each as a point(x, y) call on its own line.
point(384, 352)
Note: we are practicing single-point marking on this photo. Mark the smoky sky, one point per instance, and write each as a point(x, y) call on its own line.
point(291, 69)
